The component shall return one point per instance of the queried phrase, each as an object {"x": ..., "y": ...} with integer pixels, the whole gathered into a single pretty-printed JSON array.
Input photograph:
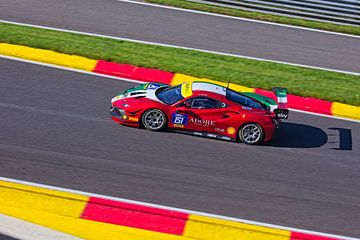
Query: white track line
[
  {"x": 180, "y": 47},
  {"x": 175, "y": 209},
  {"x": 137, "y": 81},
  {"x": 324, "y": 115},
  {"x": 237, "y": 18},
  {"x": 24, "y": 230}
]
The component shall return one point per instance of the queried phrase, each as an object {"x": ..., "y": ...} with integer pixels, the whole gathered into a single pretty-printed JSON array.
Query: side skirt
[{"x": 204, "y": 134}]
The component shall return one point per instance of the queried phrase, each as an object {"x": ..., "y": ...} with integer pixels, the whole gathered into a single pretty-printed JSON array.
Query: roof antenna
[{"x": 228, "y": 83}]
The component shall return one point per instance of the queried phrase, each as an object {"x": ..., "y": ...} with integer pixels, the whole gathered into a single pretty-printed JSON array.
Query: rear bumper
[{"x": 269, "y": 132}]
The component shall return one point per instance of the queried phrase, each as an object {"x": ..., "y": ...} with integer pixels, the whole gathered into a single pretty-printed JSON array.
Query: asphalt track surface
[
  {"x": 5, "y": 237},
  {"x": 55, "y": 129},
  {"x": 129, "y": 20}
]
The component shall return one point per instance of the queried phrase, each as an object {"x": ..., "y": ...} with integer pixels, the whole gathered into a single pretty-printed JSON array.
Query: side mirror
[{"x": 182, "y": 109}]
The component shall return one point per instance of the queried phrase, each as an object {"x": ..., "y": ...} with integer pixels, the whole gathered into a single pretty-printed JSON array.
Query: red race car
[{"x": 203, "y": 109}]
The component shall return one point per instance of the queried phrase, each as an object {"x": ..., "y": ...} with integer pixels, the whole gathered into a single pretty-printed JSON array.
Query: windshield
[
  {"x": 170, "y": 95},
  {"x": 242, "y": 99}
]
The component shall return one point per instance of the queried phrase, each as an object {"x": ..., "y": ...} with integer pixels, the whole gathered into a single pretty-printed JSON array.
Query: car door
[{"x": 199, "y": 113}]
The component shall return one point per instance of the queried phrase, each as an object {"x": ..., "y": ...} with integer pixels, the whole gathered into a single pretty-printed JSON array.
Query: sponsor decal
[
  {"x": 220, "y": 130},
  {"x": 282, "y": 113},
  {"x": 152, "y": 86},
  {"x": 186, "y": 90},
  {"x": 230, "y": 130},
  {"x": 133, "y": 119},
  {"x": 124, "y": 117},
  {"x": 246, "y": 108},
  {"x": 202, "y": 122},
  {"x": 179, "y": 119},
  {"x": 178, "y": 125}
]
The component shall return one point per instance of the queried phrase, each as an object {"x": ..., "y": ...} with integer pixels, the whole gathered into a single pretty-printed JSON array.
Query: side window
[{"x": 204, "y": 103}]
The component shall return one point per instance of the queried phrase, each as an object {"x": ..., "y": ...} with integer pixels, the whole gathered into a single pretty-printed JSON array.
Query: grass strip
[
  {"x": 251, "y": 73},
  {"x": 260, "y": 16}
]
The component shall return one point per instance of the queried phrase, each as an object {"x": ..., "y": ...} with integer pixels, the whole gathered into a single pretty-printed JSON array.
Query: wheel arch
[
  {"x": 141, "y": 125},
  {"x": 250, "y": 122}
]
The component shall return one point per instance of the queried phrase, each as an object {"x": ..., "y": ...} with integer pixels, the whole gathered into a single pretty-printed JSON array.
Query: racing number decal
[
  {"x": 179, "y": 120},
  {"x": 152, "y": 86}
]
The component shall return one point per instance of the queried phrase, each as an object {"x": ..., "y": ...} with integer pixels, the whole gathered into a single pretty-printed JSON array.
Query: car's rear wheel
[
  {"x": 154, "y": 120},
  {"x": 251, "y": 133}
]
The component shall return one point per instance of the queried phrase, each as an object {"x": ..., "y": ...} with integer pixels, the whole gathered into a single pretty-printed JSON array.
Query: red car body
[{"x": 222, "y": 122}]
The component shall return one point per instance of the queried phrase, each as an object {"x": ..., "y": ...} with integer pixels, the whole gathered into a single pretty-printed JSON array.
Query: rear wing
[{"x": 282, "y": 110}]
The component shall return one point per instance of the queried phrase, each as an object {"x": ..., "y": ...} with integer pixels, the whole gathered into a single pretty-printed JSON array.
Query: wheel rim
[
  {"x": 154, "y": 120},
  {"x": 251, "y": 133}
]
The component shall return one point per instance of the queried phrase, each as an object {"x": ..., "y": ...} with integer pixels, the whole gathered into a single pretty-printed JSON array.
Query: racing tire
[
  {"x": 154, "y": 120},
  {"x": 251, "y": 134}
]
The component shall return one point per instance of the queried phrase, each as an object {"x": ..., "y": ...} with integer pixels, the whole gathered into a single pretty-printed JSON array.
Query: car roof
[{"x": 188, "y": 88}]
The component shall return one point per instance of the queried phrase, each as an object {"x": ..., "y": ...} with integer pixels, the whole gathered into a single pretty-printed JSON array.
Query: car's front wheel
[
  {"x": 154, "y": 120},
  {"x": 251, "y": 133}
]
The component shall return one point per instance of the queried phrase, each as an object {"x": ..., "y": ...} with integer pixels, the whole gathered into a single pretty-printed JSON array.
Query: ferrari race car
[{"x": 203, "y": 109}]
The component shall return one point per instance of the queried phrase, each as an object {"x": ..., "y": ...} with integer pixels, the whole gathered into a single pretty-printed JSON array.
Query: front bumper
[
  {"x": 117, "y": 113},
  {"x": 121, "y": 116}
]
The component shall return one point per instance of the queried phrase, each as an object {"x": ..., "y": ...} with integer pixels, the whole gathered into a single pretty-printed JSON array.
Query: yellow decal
[
  {"x": 178, "y": 125},
  {"x": 124, "y": 117},
  {"x": 186, "y": 90},
  {"x": 182, "y": 78},
  {"x": 230, "y": 130}
]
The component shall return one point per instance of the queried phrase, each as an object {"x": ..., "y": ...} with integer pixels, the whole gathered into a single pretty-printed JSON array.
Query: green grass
[
  {"x": 261, "y": 16},
  {"x": 301, "y": 81}
]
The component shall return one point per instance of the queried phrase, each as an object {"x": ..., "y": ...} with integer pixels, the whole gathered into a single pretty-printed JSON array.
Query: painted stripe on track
[
  {"x": 180, "y": 47},
  {"x": 71, "y": 191},
  {"x": 137, "y": 81},
  {"x": 24, "y": 230},
  {"x": 237, "y": 18}
]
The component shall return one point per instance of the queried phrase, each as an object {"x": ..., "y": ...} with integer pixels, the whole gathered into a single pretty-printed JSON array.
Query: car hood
[{"x": 142, "y": 90}]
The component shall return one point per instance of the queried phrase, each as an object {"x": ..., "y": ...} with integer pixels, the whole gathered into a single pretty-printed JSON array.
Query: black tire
[
  {"x": 251, "y": 134},
  {"x": 154, "y": 120}
]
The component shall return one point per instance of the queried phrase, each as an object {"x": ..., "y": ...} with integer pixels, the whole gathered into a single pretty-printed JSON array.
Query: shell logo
[{"x": 230, "y": 130}]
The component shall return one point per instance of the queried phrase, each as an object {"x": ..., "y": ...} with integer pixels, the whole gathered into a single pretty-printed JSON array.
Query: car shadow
[{"x": 294, "y": 135}]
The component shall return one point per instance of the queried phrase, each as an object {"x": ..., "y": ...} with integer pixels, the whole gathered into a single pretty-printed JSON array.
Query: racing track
[
  {"x": 55, "y": 129},
  {"x": 129, "y": 20}
]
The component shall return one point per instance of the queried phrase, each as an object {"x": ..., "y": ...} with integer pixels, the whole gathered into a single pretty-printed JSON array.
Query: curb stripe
[
  {"x": 344, "y": 110},
  {"x": 114, "y": 69},
  {"x": 40, "y": 199},
  {"x": 133, "y": 72},
  {"x": 199, "y": 225},
  {"x": 309, "y": 104},
  {"x": 305, "y": 236},
  {"x": 48, "y": 56},
  {"x": 136, "y": 216}
]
